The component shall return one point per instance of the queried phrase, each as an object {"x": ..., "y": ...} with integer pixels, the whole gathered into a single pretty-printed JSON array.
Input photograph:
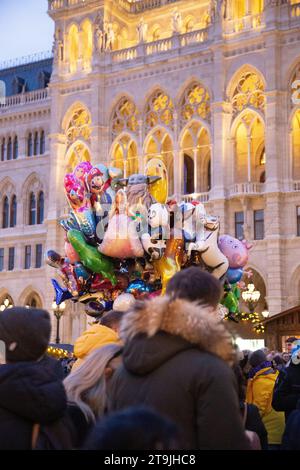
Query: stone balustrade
[
  {"x": 24, "y": 98},
  {"x": 247, "y": 188},
  {"x": 131, "y": 7},
  {"x": 246, "y": 23},
  {"x": 201, "y": 197},
  {"x": 59, "y": 4},
  {"x": 159, "y": 46}
]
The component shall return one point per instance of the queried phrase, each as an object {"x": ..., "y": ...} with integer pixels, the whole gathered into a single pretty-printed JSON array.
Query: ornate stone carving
[
  {"x": 142, "y": 29},
  {"x": 176, "y": 22},
  {"x": 98, "y": 28},
  {"x": 58, "y": 45}
]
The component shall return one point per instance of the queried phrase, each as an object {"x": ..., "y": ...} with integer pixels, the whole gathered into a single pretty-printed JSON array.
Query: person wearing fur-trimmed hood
[{"x": 176, "y": 359}]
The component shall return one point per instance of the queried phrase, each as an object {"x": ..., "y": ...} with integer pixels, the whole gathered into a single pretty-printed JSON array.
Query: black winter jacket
[
  {"x": 287, "y": 390},
  {"x": 29, "y": 393},
  {"x": 181, "y": 380}
]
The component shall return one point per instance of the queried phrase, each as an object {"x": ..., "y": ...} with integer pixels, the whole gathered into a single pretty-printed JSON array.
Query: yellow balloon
[
  {"x": 159, "y": 189},
  {"x": 170, "y": 263}
]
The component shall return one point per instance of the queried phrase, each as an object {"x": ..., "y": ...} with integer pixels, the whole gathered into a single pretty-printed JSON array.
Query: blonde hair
[{"x": 86, "y": 386}]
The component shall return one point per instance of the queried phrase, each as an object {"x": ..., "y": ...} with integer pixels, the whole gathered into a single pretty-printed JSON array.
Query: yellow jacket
[
  {"x": 95, "y": 337},
  {"x": 260, "y": 393}
]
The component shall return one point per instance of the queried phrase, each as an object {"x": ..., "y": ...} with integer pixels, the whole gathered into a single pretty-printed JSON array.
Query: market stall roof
[{"x": 280, "y": 315}]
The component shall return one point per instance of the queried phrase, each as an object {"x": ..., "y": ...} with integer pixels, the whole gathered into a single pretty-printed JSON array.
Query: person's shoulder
[{"x": 206, "y": 361}]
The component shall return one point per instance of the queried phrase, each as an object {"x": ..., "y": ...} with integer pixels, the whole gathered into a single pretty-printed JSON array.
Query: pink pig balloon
[
  {"x": 71, "y": 253},
  {"x": 236, "y": 251}
]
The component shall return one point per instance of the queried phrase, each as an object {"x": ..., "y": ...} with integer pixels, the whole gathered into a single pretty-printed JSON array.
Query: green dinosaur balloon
[
  {"x": 90, "y": 256},
  {"x": 231, "y": 299}
]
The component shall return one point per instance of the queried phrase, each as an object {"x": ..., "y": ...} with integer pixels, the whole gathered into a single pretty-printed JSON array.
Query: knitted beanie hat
[
  {"x": 257, "y": 357},
  {"x": 25, "y": 332}
]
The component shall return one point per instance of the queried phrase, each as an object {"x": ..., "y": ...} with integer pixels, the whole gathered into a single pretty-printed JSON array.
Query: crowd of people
[{"x": 165, "y": 375}]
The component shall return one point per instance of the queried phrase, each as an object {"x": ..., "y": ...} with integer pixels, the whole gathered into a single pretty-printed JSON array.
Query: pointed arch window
[
  {"x": 16, "y": 148},
  {"x": 36, "y": 144},
  {"x": 209, "y": 175},
  {"x": 32, "y": 209},
  {"x": 159, "y": 110},
  {"x": 125, "y": 117},
  {"x": 3, "y": 148},
  {"x": 188, "y": 182},
  {"x": 5, "y": 213},
  {"x": 249, "y": 91},
  {"x": 195, "y": 103},
  {"x": 13, "y": 211},
  {"x": 9, "y": 149},
  {"x": 42, "y": 143},
  {"x": 29, "y": 145},
  {"x": 40, "y": 208}
]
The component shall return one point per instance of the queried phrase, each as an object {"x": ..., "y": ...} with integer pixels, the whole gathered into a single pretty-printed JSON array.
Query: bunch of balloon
[{"x": 124, "y": 239}]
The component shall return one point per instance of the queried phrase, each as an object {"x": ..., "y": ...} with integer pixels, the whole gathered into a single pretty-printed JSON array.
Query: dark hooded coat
[
  {"x": 176, "y": 360},
  {"x": 30, "y": 393}
]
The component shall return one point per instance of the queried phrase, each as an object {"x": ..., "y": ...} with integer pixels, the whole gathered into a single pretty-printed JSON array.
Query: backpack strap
[
  {"x": 245, "y": 414},
  {"x": 35, "y": 435}
]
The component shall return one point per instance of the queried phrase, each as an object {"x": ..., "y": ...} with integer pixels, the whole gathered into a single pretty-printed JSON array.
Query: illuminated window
[
  {"x": 249, "y": 92},
  {"x": 195, "y": 103},
  {"x": 124, "y": 156},
  {"x": 159, "y": 111},
  {"x": 124, "y": 117},
  {"x": 296, "y": 145},
  {"x": 73, "y": 41},
  {"x": 79, "y": 126},
  {"x": 87, "y": 46}
]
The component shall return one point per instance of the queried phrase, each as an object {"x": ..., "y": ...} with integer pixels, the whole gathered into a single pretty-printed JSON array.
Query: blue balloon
[
  {"x": 61, "y": 294},
  {"x": 234, "y": 275},
  {"x": 80, "y": 271},
  {"x": 138, "y": 285}
]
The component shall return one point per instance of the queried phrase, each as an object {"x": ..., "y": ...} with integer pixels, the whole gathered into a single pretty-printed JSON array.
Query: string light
[{"x": 58, "y": 353}]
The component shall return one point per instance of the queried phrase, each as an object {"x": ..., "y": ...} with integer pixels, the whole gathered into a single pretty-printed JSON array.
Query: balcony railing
[
  {"x": 28, "y": 59},
  {"x": 139, "y": 6},
  {"x": 246, "y": 189},
  {"x": 59, "y": 4},
  {"x": 201, "y": 197},
  {"x": 160, "y": 46},
  {"x": 246, "y": 23},
  {"x": 24, "y": 98}
]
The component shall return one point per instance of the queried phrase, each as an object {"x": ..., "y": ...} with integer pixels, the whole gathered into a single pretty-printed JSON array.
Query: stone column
[
  {"x": 276, "y": 288},
  {"x": 140, "y": 146}
]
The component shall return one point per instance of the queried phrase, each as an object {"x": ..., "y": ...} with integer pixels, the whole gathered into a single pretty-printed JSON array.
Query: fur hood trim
[{"x": 199, "y": 325}]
